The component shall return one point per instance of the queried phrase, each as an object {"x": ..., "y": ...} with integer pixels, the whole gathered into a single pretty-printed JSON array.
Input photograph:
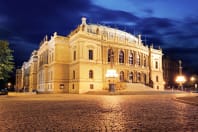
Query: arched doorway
[
  {"x": 131, "y": 77},
  {"x": 121, "y": 76}
]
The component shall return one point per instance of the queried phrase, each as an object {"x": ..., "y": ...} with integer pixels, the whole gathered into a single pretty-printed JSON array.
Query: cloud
[
  {"x": 28, "y": 21},
  {"x": 3, "y": 19},
  {"x": 148, "y": 11},
  {"x": 21, "y": 49},
  {"x": 187, "y": 55}
]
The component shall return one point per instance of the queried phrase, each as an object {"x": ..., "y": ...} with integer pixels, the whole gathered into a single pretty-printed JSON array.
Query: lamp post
[
  {"x": 111, "y": 73},
  {"x": 180, "y": 79},
  {"x": 193, "y": 80},
  {"x": 9, "y": 85}
]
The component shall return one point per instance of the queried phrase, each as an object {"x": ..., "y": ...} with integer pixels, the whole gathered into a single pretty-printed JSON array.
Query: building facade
[{"x": 77, "y": 63}]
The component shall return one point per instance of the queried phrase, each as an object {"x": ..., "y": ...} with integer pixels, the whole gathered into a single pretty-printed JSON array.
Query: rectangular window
[
  {"x": 90, "y": 54},
  {"x": 157, "y": 79},
  {"x": 156, "y": 65},
  {"x": 91, "y": 86}
]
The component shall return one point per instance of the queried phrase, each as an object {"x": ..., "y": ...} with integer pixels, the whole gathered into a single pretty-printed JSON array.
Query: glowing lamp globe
[
  {"x": 180, "y": 79},
  {"x": 111, "y": 73}
]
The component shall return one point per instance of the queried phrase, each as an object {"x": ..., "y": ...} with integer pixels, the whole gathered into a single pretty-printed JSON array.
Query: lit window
[
  {"x": 121, "y": 57},
  {"x": 110, "y": 55},
  {"x": 131, "y": 76},
  {"x": 91, "y": 74},
  {"x": 121, "y": 76},
  {"x": 131, "y": 58},
  {"x": 138, "y": 77},
  {"x": 138, "y": 59},
  {"x": 90, "y": 54}
]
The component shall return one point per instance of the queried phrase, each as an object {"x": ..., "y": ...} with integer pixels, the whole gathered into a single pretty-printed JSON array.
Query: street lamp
[
  {"x": 193, "y": 80},
  {"x": 180, "y": 79},
  {"x": 111, "y": 73},
  {"x": 9, "y": 85}
]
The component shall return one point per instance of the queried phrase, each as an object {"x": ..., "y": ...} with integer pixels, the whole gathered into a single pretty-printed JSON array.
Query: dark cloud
[
  {"x": 113, "y": 16},
  {"x": 189, "y": 56},
  {"x": 148, "y": 11},
  {"x": 29, "y": 21},
  {"x": 24, "y": 23}
]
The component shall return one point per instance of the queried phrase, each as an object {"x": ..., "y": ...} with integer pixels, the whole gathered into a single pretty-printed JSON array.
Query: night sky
[{"x": 170, "y": 24}]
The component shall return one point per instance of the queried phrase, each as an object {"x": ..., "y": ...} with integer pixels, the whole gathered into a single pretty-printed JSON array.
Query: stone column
[
  {"x": 105, "y": 54},
  {"x": 116, "y": 54},
  {"x": 135, "y": 57},
  {"x": 126, "y": 57}
]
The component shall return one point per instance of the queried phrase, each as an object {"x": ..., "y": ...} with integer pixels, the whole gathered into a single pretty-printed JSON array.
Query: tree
[{"x": 6, "y": 60}]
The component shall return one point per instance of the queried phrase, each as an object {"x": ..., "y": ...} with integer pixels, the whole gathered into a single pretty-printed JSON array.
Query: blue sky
[
  {"x": 175, "y": 9},
  {"x": 170, "y": 24}
]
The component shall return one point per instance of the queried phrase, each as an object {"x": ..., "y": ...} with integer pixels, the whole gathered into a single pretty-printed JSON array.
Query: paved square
[{"x": 89, "y": 113}]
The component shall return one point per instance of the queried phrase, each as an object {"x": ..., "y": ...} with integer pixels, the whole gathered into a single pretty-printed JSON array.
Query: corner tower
[{"x": 156, "y": 71}]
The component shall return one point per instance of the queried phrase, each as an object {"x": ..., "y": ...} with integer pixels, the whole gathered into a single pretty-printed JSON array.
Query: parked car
[{"x": 4, "y": 92}]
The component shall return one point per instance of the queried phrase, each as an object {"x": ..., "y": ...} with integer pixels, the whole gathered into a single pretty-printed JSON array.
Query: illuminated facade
[{"x": 78, "y": 62}]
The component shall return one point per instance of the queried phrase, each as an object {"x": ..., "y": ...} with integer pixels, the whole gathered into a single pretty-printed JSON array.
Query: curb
[{"x": 186, "y": 102}]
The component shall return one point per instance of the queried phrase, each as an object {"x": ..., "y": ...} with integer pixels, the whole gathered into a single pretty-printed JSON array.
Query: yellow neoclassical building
[{"x": 79, "y": 62}]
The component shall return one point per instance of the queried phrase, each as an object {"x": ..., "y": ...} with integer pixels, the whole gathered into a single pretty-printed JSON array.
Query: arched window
[
  {"x": 74, "y": 56},
  {"x": 156, "y": 65},
  {"x": 157, "y": 78},
  {"x": 121, "y": 57},
  {"x": 90, "y": 54},
  {"x": 131, "y": 76},
  {"x": 138, "y": 59},
  {"x": 138, "y": 77},
  {"x": 91, "y": 74},
  {"x": 110, "y": 55},
  {"x": 145, "y": 78},
  {"x": 131, "y": 58},
  {"x": 145, "y": 61},
  {"x": 121, "y": 76}
]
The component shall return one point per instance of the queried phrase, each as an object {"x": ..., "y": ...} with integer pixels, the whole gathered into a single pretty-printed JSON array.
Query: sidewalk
[
  {"x": 133, "y": 92},
  {"x": 193, "y": 99}
]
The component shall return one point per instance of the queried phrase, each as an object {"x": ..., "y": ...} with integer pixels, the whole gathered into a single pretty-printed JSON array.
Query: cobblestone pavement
[{"x": 88, "y": 113}]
